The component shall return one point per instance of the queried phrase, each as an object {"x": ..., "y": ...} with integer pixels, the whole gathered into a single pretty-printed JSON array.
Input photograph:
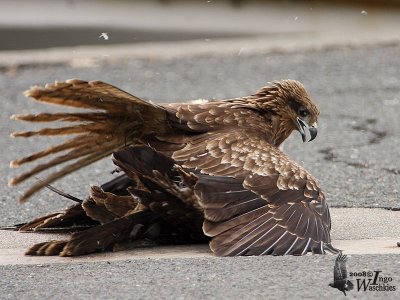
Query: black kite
[{"x": 191, "y": 171}]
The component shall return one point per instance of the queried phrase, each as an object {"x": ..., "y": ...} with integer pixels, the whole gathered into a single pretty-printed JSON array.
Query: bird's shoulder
[
  {"x": 250, "y": 152},
  {"x": 211, "y": 115}
]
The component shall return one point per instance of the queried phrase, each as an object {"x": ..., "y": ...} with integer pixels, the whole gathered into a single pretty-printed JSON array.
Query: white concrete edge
[{"x": 16, "y": 256}]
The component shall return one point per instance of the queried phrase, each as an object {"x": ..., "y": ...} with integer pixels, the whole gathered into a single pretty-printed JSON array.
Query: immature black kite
[{"x": 191, "y": 171}]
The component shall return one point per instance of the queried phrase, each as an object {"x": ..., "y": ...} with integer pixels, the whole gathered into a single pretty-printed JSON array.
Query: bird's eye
[{"x": 303, "y": 112}]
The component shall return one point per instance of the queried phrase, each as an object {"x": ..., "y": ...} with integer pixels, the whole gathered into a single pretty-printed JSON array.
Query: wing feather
[
  {"x": 256, "y": 199},
  {"x": 112, "y": 119}
]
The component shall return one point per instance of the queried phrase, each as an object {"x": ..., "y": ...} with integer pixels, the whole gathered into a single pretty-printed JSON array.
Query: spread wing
[
  {"x": 112, "y": 119},
  {"x": 340, "y": 271},
  {"x": 257, "y": 201}
]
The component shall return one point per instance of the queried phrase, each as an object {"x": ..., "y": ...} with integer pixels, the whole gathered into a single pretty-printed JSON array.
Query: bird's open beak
[{"x": 301, "y": 125}]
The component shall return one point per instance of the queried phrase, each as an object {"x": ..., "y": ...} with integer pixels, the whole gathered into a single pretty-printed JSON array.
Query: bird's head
[{"x": 289, "y": 100}]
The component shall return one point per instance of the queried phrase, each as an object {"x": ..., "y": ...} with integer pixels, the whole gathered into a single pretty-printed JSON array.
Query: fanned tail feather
[{"x": 116, "y": 119}]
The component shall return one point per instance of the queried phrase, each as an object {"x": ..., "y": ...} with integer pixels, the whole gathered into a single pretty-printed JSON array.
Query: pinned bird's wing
[
  {"x": 113, "y": 118},
  {"x": 257, "y": 201}
]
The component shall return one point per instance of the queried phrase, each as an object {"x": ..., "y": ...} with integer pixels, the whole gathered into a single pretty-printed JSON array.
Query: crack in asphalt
[
  {"x": 332, "y": 157},
  {"x": 378, "y": 136},
  {"x": 393, "y": 171}
]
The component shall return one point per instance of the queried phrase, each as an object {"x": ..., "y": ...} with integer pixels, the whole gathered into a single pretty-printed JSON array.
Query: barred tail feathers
[{"x": 113, "y": 119}]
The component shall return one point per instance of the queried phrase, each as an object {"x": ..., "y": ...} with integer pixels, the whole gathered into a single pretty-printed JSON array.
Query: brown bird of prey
[{"x": 193, "y": 171}]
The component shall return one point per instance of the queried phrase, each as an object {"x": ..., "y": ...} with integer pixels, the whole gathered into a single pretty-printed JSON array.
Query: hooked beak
[{"x": 301, "y": 125}]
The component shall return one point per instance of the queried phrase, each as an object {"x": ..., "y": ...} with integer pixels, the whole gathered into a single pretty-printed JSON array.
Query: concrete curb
[{"x": 378, "y": 229}]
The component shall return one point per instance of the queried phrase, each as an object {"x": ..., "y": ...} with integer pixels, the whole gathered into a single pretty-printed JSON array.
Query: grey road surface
[
  {"x": 355, "y": 157},
  {"x": 194, "y": 278}
]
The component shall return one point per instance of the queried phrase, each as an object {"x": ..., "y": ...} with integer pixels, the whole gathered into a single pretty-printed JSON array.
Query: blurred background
[{"x": 38, "y": 24}]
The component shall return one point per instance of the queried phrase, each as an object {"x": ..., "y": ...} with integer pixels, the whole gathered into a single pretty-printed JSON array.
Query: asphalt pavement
[
  {"x": 355, "y": 157},
  {"x": 193, "y": 278}
]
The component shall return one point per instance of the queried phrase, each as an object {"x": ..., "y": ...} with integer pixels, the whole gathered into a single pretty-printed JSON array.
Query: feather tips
[{"x": 115, "y": 120}]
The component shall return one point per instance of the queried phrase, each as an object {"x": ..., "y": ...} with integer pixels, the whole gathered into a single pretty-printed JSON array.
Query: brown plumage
[{"x": 191, "y": 170}]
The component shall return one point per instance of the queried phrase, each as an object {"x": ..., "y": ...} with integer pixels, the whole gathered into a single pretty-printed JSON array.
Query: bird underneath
[{"x": 192, "y": 172}]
